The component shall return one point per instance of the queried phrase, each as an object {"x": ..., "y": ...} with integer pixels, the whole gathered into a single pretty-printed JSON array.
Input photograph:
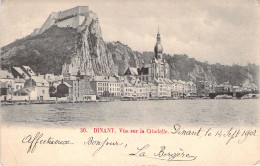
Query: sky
[{"x": 216, "y": 31}]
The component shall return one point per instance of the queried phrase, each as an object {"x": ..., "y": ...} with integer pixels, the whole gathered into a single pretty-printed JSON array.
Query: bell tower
[{"x": 158, "y": 49}]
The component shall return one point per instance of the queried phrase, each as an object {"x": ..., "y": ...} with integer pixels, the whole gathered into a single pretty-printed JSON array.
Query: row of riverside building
[
  {"x": 22, "y": 84},
  {"x": 150, "y": 81}
]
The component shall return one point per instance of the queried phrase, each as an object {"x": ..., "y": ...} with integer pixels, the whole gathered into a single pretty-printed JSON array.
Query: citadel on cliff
[
  {"x": 76, "y": 18},
  {"x": 90, "y": 56}
]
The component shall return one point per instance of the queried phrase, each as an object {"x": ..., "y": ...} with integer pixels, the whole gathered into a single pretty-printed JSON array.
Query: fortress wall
[
  {"x": 49, "y": 22},
  {"x": 35, "y": 32},
  {"x": 73, "y": 11},
  {"x": 81, "y": 19},
  {"x": 71, "y": 17},
  {"x": 71, "y": 22},
  {"x": 93, "y": 15},
  {"x": 83, "y": 9},
  {"x": 90, "y": 16}
]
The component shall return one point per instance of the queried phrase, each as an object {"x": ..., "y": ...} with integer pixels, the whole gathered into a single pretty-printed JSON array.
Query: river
[{"x": 134, "y": 113}]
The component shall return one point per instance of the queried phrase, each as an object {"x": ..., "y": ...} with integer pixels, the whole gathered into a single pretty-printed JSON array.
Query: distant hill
[
  {"x": 49, "y": 51},
  {"x": 185, "y": 68}
]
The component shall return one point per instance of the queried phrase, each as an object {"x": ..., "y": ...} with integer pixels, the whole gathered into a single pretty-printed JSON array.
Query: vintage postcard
[{"x": 129, "y": 82}]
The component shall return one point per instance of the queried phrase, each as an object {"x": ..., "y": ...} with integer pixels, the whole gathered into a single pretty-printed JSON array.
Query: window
[
  {"x": 42, "y": 84},
  {"x": 17, "y": 86},
  {"x": 43, "y": 91}
]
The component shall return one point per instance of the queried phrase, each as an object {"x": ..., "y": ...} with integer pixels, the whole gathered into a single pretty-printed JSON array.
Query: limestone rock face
[
  {"x": 199, "y": 73},
  {"x": 123, "y": 56},
  {"x": 91, "y": 55}
]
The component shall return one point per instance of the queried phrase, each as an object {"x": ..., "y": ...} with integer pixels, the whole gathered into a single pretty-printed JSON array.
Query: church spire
[{"x": 158, "y": 36}]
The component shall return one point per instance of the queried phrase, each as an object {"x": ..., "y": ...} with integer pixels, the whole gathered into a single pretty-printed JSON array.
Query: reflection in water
[{"x": 138, "y": 113}]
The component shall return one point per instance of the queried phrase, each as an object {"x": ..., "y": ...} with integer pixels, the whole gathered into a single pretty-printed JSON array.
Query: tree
[{"x": 53, "y": 91}]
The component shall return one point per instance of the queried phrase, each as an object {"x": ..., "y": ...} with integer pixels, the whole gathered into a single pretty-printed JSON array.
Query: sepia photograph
[{"x": 120, "y": 82}]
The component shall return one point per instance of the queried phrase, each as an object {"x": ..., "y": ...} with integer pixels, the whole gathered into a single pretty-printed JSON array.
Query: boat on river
[
  {"x": 250, "y": 96},
  {"x": 223, "y": 97}
]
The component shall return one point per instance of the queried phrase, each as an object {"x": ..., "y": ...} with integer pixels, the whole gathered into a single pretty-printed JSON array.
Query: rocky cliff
[
  {"x": 123, "y": 56},
  {"x": 91, "y": 55}
]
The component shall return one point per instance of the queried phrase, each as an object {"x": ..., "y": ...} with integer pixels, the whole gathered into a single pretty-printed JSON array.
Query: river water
[{"x": 134, "y": 113}]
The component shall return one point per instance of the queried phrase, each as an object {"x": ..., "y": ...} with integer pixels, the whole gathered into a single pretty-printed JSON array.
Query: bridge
[{"x": 234, "y": 94}]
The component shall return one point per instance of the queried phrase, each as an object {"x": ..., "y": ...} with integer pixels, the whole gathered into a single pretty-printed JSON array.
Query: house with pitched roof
[
  {"x": 128, "y": 88},
  {"x": 36, "y": 88},
  {"x": 7, "y": 83},
  {"x": 18, "y": 84},
  {"x": 28, "y": 70},
  {"x": 131, "y": 71},
  {"x": 103, "y": 85},
  {"x": 18, "y": 72}
]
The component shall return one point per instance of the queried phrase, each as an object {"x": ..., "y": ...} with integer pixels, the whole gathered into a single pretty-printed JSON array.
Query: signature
[
  {"x": 37, "y": 139},
  {"x": 163, "y": 154}
]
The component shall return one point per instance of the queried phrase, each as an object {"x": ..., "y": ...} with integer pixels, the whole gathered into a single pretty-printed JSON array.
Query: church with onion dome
[{"x": 157, "y": 68}]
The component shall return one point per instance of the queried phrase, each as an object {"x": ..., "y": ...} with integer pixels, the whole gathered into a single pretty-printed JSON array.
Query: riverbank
[{"x": 5, "y": 103}]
